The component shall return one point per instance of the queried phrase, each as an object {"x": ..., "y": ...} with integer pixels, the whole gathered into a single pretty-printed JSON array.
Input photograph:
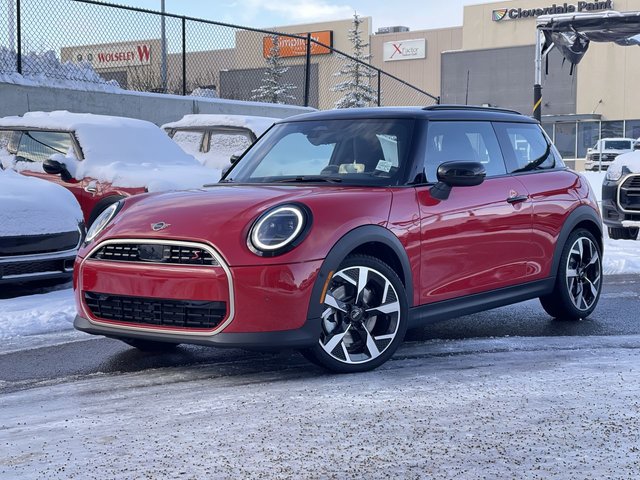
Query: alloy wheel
[
  {"x": 362, "y": 315},
  {"x": 584, "y": 273}
]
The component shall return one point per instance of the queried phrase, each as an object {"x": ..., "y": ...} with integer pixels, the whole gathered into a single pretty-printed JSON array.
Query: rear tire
[
  {"x": 365, "y": 317},
  {"x": 623, "y": 233},
  {"x": 579, "y": 279},
  {"x": 149, "y": 345}
]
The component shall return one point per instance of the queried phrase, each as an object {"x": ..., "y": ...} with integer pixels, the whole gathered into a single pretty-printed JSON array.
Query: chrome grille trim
[
  {"x": 631, "y": 179},
  {"x": 214, "y": 253}
]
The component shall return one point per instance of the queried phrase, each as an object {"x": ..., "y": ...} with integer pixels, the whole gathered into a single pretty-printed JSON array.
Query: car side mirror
[
  {"x": 54, "y": 167},
  {"x": 457, "y": 174},
  {"x": 234, "y": 159}
]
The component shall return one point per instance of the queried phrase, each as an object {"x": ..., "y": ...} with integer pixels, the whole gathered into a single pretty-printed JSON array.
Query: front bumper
[
  {"x": 264, "y": 306},
  {"x": 31, "y": 268},
  {"x": 614, "y": 214}
]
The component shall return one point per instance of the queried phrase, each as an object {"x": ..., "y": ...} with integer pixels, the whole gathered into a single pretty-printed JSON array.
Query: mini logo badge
[
  {"x": 159, "y": 226},
  {"x": 499, "y": 14}
]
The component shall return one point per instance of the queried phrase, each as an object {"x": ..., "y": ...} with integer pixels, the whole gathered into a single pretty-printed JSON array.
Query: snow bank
[
  {"x": 35, "y": 314},
  {"x": 258, "y": 125},
  {"x": 45, "y": 69},
  {"x": 123, "y": 151},
  {"x": 31, "y": 206}
]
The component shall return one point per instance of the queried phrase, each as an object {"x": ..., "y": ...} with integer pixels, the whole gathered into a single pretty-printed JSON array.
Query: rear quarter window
[{"x": 526, "y": 147}]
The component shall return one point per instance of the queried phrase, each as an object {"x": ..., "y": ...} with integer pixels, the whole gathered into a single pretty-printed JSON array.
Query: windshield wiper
[{"x": 309, "y": 179}]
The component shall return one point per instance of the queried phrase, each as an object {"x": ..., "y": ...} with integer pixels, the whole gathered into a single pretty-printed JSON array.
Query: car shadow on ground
[{"x": 33, "y": 288}]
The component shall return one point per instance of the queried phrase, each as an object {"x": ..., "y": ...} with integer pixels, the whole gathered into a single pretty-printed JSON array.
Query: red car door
[{"x": 478, "y": 239}]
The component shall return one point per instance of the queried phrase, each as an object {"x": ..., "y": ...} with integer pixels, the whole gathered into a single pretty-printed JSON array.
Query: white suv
[{"x": 610, "y": 148}]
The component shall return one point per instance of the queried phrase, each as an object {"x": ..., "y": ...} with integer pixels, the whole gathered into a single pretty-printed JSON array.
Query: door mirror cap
[
  {"x": 234, "y": 159},
  {"x": 461, "y": 174},
  {"x": 54, "y": 167}
]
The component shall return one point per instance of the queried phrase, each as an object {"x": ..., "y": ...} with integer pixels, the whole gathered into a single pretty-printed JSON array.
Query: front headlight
[
  {"x": 103, "y": 220},
  {"x": 279, "y": 229},
  {"x": 613, "y": 175}
]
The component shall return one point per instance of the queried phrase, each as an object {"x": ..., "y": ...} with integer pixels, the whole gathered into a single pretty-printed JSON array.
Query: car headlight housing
[
  {"x": 100, "y": 223},
  {"x": 613, "y": 175},
  {"x": 279, "y": 230}
]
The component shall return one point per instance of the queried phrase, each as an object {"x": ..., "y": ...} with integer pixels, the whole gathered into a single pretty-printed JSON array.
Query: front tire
[
  {"x": 579, "y": 279},
  {"x": 365, "y": 317},
  {"x": 623, "y": 233}
]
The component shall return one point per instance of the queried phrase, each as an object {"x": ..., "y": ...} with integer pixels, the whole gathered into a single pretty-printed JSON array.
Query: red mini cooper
[{"x": 338, "y": 230}]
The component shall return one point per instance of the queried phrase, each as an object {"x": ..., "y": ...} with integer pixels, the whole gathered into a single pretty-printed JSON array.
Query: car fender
[
  {"x": 347, "y": 244},
  {"x": 583, "y": 213}
]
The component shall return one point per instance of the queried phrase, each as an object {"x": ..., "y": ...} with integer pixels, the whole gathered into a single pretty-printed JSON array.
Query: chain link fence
[{"x": 100, "y": 46}]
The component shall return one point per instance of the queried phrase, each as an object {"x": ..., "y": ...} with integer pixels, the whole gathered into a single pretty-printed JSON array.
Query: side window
[
  {"x": 462, "y": 141},
  {"x": 527, "y": 146},
  {"x": 189, "y": 140},
  {"x": 37, "y": 146}
]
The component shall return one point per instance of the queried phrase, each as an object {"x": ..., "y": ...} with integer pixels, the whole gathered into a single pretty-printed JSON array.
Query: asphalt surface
[{"x": 617, "y": 314}]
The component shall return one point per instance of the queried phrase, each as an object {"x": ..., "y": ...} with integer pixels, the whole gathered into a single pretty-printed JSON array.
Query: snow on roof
[
  {"x": 258, "y": 125},
  {"x": 31, "y": 206},
  {"x": 124, "y": 151}
]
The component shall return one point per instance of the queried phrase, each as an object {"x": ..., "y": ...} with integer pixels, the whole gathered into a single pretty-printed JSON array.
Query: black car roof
[{"x": 435, "y": 112}]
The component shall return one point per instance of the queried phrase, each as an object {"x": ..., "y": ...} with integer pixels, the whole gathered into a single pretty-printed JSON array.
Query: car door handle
[{"x": 518, "y": 199}]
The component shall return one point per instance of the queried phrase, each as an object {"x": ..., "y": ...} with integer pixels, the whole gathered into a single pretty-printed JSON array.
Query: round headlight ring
[
  {"x": 613, "y": 175},
  {"x": 101, "y": 222},
  {"x": 303, "y": 219}
]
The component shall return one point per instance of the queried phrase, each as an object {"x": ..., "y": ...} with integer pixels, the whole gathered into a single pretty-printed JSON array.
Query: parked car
[
  {"x": 611, "y": 148},
  {"x": 41, "y": 229},
  {"x": 621, "y": 196},
  {"x": 214, "y": 139},
  {"x": 338, "y": 230},
  {"x": 100, "y": 159}
]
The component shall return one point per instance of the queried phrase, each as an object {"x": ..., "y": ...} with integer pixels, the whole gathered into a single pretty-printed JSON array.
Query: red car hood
[{"x": 222, "y": 215}]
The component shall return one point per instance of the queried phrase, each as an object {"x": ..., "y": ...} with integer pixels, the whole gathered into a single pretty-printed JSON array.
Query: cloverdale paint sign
[
  {"x": 404, "y": 50},
  {"x": 118, "y": 55},
  {"x": 555, "y": 9}
]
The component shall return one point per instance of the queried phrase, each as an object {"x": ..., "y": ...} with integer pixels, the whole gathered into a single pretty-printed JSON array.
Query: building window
[
  {"x": 588, "y": 135},
  {"x": 632, "y": 129},
  {"x": 613, "y": 129},
  {"x": 565, "y": 139}
]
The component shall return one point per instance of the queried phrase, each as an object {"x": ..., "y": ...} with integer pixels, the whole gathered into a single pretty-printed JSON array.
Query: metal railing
[{"x": 105, "y": 46}]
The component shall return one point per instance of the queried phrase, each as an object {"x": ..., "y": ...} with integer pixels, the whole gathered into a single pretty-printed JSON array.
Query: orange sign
[{"x": 297, "y": 47}]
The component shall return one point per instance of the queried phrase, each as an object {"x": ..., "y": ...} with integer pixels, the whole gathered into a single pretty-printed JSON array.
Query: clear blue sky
[{"x": 416, "y": 14}]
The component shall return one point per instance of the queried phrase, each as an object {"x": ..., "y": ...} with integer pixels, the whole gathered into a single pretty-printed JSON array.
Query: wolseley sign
[
  {"x": 297, "y": 47},
  {"x": 404, "y": 50},
  {"x": 115, "y": 56},
  {"x": 555, "y": 9}
]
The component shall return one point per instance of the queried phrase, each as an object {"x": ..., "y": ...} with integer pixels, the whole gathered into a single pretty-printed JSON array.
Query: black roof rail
[{"x": 471, "y": 107}]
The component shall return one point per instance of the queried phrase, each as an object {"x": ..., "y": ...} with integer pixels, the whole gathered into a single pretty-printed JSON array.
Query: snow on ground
[
  {"x": 35, "y": 314},
  {"x": 31, "y": 206},
  {"x": 465, "y": 411}
]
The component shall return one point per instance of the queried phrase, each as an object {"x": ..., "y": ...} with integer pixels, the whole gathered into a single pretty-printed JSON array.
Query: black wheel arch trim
[
  {"x": 358, "y": 237},
  {"x": 583, "y": 213}
]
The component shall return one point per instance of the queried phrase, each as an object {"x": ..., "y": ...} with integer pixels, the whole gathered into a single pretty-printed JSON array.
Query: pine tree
[
  {"x": 272, "y": 89},
  {"x": 359, "y": 92}
]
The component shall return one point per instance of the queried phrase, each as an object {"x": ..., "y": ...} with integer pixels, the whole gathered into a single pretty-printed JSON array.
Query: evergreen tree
[
  {"x": 272, "y": 89},
  {"x": 359, "y": 92}
]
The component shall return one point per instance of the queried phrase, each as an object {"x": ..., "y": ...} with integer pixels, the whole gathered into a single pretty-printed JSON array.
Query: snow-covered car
[
  {"x": 213, "y": 139},
  {"x": 41, "y": 229},
  {"x": 610, "y": 149},
  {"x": 100, "y": 159},
  {"x": 621, "y": 196}
]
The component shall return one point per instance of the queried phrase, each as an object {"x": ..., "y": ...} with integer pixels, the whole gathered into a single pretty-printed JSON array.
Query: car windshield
[
  {"x": 362, "y": 152},
  {"x": 617, "y": 145}
]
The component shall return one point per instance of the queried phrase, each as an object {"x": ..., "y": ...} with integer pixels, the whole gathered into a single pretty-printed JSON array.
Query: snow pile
[
  {"x": 31, "y": 206},
  {"x": 122, "y": 151},
  {"x": 35, "y": 314},
  {"x": 45, "y": 69},
  {"x": 258, "y": 125}
]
